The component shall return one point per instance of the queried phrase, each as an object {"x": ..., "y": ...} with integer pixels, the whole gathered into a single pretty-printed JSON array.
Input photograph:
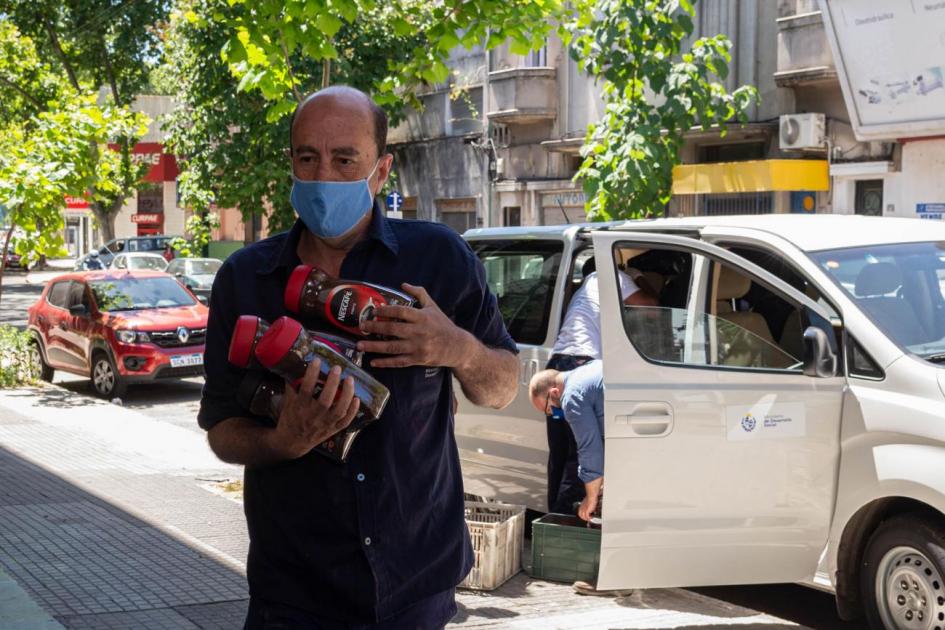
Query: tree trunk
[
  {"x": 105, "y": 220},
  {"x": 3, "y": 261}
]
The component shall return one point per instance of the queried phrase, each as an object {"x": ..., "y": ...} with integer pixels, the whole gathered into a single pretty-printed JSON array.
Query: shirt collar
[{"x": 379, "y": 230}]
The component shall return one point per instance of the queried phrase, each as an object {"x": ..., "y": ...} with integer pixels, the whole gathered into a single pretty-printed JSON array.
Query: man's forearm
[
  {"x": 243, "y": 441},
  {"x": 488, "y": 376}
]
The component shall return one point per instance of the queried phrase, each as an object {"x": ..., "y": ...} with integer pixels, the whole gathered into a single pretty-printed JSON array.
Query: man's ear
[{"x": 384, "y": 164}]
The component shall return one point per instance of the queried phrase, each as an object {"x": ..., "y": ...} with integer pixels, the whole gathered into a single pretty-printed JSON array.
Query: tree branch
[
  {"x": 288, "y": 66},
  {"x": 61, "y": 54},
  {"x": 109, "y": 72},
  {"x": 326, "y": 73},
  {"x": 27, "y": 95}
]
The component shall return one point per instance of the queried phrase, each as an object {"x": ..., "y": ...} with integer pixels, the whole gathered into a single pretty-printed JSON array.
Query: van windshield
[{"x": 900, "y": 286}]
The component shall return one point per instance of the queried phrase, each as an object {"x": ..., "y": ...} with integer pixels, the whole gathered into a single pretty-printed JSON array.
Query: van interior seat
[
  {"x": 874, "y": 285},
  {"x": 733, "y": 286}
]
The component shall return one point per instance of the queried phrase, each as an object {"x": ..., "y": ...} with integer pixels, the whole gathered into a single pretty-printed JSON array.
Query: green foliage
[
  {"x": 242, "y": 66},
  {"x": 52, "y": 148},
  {"x": 65, "y": 51},
  {"x": 655, "y": 89},
  {"x": 199, "y": 227},
  {"x": 16, "y": 363}
]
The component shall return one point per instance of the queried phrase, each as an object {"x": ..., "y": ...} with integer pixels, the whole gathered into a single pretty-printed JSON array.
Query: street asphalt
[{"x": 109, "y": 517}]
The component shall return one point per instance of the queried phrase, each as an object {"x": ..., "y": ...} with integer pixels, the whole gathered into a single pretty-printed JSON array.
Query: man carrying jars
[{"x": 378, "y": 541}]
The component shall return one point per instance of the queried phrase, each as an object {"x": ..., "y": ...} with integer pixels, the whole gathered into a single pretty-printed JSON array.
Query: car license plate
[{"x": 183, "y": 360}]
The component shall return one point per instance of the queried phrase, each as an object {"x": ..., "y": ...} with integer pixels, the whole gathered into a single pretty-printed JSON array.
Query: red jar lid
[
  {"x": 241, "y": 343},
  {"x": 278, "y": 340},
  {"x": 293, "y": 290}
]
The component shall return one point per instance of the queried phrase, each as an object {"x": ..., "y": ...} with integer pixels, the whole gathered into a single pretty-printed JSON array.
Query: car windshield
[
  {"x": 900, "y": 286},
  {"x": 129, "y": 294},
  {"x": 203, "y": 267},
  {"x": 155, "y": 263}
]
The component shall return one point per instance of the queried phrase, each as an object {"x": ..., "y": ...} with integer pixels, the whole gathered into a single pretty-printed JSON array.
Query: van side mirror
[
  {"x": 820, "y": 361},
  {"x": 78, "y": 310}
]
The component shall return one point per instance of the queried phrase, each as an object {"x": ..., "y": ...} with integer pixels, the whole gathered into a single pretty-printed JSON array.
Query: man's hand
[
  {"x": 422, "y": 336},
  {"x": 591, "y": 498},
  {"x": 307, "y": 421}
]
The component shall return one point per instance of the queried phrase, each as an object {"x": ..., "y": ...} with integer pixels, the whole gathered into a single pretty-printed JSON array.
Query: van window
[
  {"x": 522, "y": 276},
  {"x": 861, "y": 364},
  {"x": 712, "y": 323}
]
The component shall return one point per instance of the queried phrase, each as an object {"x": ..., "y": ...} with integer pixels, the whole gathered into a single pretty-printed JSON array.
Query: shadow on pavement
[
  {"x": 91, "y": 564},
  {"x": 58, "y": 398},
  {"x": 792, "y": 602}
]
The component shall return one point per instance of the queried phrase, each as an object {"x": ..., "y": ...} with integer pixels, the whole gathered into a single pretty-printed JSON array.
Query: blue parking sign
[{"x": 395, "y": 201}]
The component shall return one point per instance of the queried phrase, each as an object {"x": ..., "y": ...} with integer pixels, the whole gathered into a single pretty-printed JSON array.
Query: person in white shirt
[{"x": 579, "y": 341}]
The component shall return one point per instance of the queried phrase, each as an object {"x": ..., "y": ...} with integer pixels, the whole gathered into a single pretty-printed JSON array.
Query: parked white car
[
  {"x": 136, "y": 261},
  {"x": 780, "y": 417}
]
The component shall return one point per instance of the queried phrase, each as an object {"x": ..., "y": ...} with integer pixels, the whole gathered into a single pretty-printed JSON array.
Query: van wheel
[
  {"x": 39, "y": 363},
  {"x": 901, "y": 579},
  {"x": 106, "y": 381}
]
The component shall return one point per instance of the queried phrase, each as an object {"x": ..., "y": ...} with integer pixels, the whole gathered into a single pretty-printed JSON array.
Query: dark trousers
[
  {"x": 432, "y": 613},
  {"x": 564, "y": 487}
]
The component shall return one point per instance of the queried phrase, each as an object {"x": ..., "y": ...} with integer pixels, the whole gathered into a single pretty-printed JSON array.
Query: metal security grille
[{"x": 738, "y": 203}]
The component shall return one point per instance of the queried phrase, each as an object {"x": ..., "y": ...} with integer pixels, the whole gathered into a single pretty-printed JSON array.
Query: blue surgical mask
[{"x": 332, "y": 209}]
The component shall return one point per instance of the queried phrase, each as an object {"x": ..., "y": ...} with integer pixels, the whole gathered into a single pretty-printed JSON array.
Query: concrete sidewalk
[{"x": 110, "y": 519}]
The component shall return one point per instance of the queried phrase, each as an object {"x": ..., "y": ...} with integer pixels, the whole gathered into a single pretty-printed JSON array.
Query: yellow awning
[{"x": 751, "y": 176}]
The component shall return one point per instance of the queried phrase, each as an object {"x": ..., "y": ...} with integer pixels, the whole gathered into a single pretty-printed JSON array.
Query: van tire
[
  {"x": 902, "y": 579},
  {"x": 107, "y": 383}
]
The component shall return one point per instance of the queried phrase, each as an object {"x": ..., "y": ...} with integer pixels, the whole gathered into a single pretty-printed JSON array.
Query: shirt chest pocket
[{"x": 417, "y": 392}]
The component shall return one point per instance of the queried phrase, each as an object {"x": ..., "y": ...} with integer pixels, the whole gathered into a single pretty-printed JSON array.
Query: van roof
[{"x": 808, "y": 232}]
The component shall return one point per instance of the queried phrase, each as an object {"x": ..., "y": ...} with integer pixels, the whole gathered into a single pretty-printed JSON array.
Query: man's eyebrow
[
  {"x": 305, "y": 148},
  {"x": 345, "y": 151}
]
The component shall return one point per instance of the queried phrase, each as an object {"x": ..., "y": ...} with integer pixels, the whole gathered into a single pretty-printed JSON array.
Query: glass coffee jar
[{"x": 343, "y": 303}]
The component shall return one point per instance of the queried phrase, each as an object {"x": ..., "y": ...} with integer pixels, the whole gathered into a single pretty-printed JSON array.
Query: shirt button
[
  {"x": 360, "y": 477},
  {"x": 367, "y": 541}
]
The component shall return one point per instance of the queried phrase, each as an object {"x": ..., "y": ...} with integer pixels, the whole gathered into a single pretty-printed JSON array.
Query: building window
[
  {"x": 869, "y": 197},
  {"x": 150, "y": 199},
  {"x": 459, "y": 214},
  {"x": 512, "y": 215},
  {"x": 537, "y": 58},
  {"x": 732, "y": 152},
  {"x": 738, "y": 203}
]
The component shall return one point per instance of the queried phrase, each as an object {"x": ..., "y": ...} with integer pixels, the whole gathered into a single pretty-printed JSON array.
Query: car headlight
[{"x": 132, "y": 336}]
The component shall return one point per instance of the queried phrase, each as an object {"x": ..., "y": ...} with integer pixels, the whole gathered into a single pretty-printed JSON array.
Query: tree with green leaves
[
  {"x": 242, "y": 67},
  {"x": 53, "y": 143},
  {"x": 656, "y": 87},
  {"x": 91, "y": 45}
]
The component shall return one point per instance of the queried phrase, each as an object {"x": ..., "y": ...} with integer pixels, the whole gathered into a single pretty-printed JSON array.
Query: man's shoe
[{"x": 586, "y": 588}]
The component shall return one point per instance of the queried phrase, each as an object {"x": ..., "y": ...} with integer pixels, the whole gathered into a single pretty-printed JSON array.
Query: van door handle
[{"x": 648, "y": 422}]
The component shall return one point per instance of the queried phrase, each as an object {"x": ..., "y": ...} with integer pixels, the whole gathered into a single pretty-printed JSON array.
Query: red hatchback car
[{"x": 118, "y": 328}]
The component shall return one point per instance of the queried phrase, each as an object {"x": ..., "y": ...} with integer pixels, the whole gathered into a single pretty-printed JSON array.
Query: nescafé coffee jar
[
  {"x": 287, "y": 350},
  {"x": 343, "y": 303},
  {"x": 263, "y": 393}
]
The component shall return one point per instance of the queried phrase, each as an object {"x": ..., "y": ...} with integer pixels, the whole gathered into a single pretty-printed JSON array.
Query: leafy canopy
[{"x": 656, "y": 87}]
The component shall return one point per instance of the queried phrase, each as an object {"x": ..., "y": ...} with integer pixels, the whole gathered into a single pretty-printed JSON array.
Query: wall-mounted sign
[
  {"x": 897, "y": 88},
  {"x": 76, "y": 203},
  {"x": 933, "y": 211},
  {"x": 150, "y": 217}
]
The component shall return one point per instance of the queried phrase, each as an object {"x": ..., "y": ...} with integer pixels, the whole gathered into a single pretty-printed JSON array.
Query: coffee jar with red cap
[
  {"x": 263, "y": 394},
  {"x": 249, "y": 329},
  {"x": 246, "y": 334},
  {"x": 344, "y": 303},
  {"x": 287, "y": 349}
]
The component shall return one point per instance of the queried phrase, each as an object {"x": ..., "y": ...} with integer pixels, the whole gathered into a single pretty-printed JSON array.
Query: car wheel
[
  {"x": 39, "y": 363},
  {"x": 106, "y": 381},
  {"x": 902, "y": 579}
]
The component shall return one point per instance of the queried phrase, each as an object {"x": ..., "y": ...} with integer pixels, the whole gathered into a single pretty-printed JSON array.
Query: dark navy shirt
[{"x": 365, "y": 540}]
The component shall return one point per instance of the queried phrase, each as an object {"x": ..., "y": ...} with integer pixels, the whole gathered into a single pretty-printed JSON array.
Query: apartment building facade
[{"x": 505, "y": 152}]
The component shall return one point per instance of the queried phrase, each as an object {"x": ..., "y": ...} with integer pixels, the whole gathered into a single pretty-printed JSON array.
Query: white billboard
[{"x": 890, "y": 57}]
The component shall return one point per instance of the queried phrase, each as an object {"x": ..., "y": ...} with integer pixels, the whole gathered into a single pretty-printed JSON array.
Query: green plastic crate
[{"x": 564, "y": 549}]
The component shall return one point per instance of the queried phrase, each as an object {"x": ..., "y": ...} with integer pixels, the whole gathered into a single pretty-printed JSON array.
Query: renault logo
[{"x": 183, "y": 334}]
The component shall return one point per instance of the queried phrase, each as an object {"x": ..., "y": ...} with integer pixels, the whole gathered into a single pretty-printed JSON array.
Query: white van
[{"x": 780, "y": 417}]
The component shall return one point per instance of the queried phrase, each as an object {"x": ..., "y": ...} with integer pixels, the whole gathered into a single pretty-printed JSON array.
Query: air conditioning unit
[{"x": 803, "y": 131}]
